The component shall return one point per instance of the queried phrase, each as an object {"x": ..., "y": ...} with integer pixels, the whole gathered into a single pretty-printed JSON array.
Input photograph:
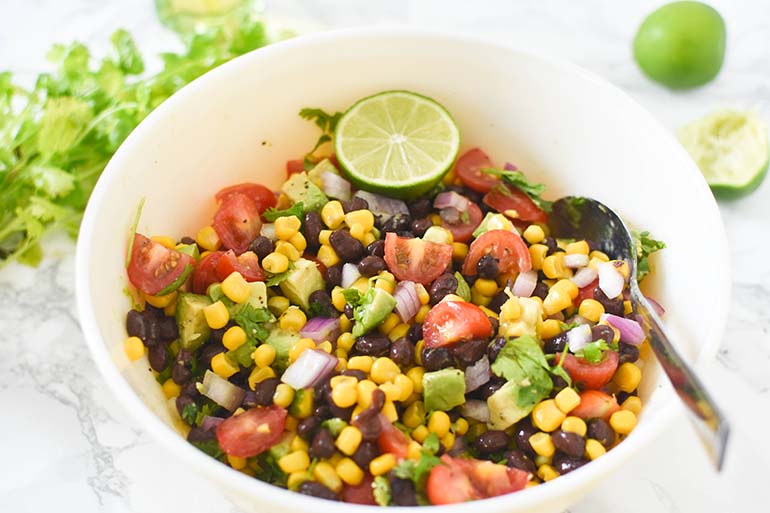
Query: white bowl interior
[{"x": 563, "y": 126}]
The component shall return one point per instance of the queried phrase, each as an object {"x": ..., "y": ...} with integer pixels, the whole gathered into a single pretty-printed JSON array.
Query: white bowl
[{"x": 563, "y": 125}]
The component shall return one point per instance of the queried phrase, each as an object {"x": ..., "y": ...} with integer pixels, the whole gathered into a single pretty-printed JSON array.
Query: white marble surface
[{"x": 68, "y": 446}]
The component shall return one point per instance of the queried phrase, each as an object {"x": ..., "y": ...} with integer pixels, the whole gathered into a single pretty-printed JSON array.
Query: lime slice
[
  {"x": 681, "y": 44},
  {"x": 731, "y": 150},
  {"x": 396, "y": 143}
]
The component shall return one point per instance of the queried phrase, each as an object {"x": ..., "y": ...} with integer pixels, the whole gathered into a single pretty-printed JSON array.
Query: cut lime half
[
  {"x": 397, "y": 143},
  {"x": 731, "y": 150}
]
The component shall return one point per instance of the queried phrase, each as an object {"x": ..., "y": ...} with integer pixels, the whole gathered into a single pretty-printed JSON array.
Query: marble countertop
[{"x": 69, "y": 446}]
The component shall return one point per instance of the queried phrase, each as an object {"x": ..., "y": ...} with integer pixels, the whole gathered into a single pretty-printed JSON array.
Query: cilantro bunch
[{"x": 57, "y": 136}]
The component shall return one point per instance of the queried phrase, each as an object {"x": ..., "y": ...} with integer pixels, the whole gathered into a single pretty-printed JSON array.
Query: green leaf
[
  {"x": 593, "y": 352},
  {"x": 431, "y": 444},
  {"x": 271, "y": 214},
  {"x": 251, "y": 319},
  {"x": 463, "y": 289},
  {"x": 352, "y": 297},
  {"x": 559, "y": 369},
  {"x": 326, "y": 122},
  {"x": 417, "y": 471},
  {"x": 268, "y": 470},
  {"x": 128, "y": 57},
  {"x": 64, "y": 121},
  {"x": 381, "y": 491},
  {"x": 50, "y": 180},
  {"x": 522, "y": 361},
  {"x": 645, "y": 246},
  {"x": 211, "y": 447},
  {"x": 275, "y": 279},
  {"x": 518, "y": 180}
]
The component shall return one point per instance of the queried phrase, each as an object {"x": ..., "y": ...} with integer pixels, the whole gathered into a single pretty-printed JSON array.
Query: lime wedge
[
  {"x": 731, "y": 150},
  {"x": 397, "y": 143}
]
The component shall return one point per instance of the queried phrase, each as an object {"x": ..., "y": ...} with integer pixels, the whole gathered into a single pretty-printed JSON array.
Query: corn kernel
[
  {"x": 485, "y": 287},
  {"x": 438, "y": 235},
  {"x": 439, "y": 423},
  {"x": 385, "y": 282},
  {"x": 461, "y": 426},
  {"x": 208, "y": 239},
  {"x": 233, "y": 338},
  {"x": 382, "y": 464},
  {"x": 295, "y": 479},
  {"x": 291, "y": 423},
  {"x": 478, "y": 298},
  {"x": 574, "y": 425},
  {"x": 622, "y": 267},
  {"x": 287, "y": 226},
  {"x": 390, "y": 412},
  {"x": 283, "y": 395},
  {"x": 134, "y": 348},
  {"x": 216, "y": 315},
  {"x": 346, "y": 341},
  {"x": 591, "y": 309},
  {"x": 236, "y": 462},
  {"x": 633, "y": 404},
  {"x": 422, "y": 313},
  {"x": 488, "y": 312},
  {"x": 556, "y": 301},
  {"x": 533, "y": 234},
  {"x": 161, "y": 301},
  {"x": 327, "y": 476},
  {"x": 362, "y": 217},
  {"x": 288, "y": 250},
  {"x": 415, "y": 374},
  {"x": 404, "y": 386},
  {"x": 171, "y": 389},
  {"x": 448, "y": 440},
  {"x": 298, "y": 241},
  {"x": 324, "y": 237},
  {"x": 164, "y": 240},
  {"x": 550, "y": 328},
  {"x": 627, "y": 377},
  {"x": 222, "y": 366},
  {"x": 390, "y": 322},
  {"x": 420, "y": 433},
  {"x": 260, "y": 374},
  {"x": 325, "y": 346},
  {"x": 332, "y": 214},
  {"x": 577, "y": 248},
  {"x": 334, "y": 459},
  {"x": 627, "y": 307},
  {"x": 327, "y": 256},
  {"x": 391, "y": 391},
  {"x": 348, "y": 440},
  {"x": 554, "y": 268},
  {"x": 547, "y": 472},
  {"x": 293, "y": 319},
  {"x": 349, "y": 472},
  {"x": 546, "y": 416},
  {"x": 345, "y": 396},
  {"x": 294, "y": 462},
  {"x": 384, "y": 369},
  {"x": 499, "y": 222},
  {"x": 365, "y": 388},
  {"x": 537, "y": 253},
  {"x": 299, "y": 347},
  {"x": 567, "y": 399},
  {"x": 275, "y": 263},
  {"x": 414, "y": 451},
  {"x": 398, "y": 332},
  {"x": 278, "y": 305},
  {"x": 170, "y": 310},
  {"x": 423, "y": 294},
  {"x": 298, "y": 444},
  {"x": 414, "y": 415},
  {"x": 623, "y": 421},
  {"x": 594, "y": 449},
  {"x": 599, "y": 255},
  {"x": 542, "y": 444},
  {"x": 264, "y": 355}
]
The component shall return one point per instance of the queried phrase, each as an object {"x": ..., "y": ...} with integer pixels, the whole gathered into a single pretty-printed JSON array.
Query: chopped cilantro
[
  {"x": 518, "y": 180},
  {"x": 645, "y": 246},
  {"x": 352, "y": 297},
  {"x": 431, "y": 444},
  {"x": 189, "y": 413},
  {"x": 593, "y": 352},
  {"x": 269, "y": 471},
  {"x": 417, "y": 471},
  {"x": 271, "y": 214},
  {"x": 210, "y": 447},
  {"x": 522, "y": 361},
  {"x": 251, "y": 319},
  {"x": 327, "y": 123},
  {"x": 559, "y": 369},
  {"x": 381, "y": 491},
  {"x": 463, "y": 289},
  {"x": 275, "y": 279}
]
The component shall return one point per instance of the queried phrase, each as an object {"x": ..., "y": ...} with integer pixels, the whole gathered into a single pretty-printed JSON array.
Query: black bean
[
  {"x": 322, "y": 412},
  {"x": 136, "y": 324},
  {"x": 497, "y": 301},
  {"x": 167, "y": 329},
  {"x": 262, "y": 246},
  {"x": 551, "y": 243},
  {"x": 358, "y": 374},
  {"x": 312, "y": 229},
  {"x": 555, "y": 344},
  {"x": 494, "y": 322},
  {"x": 378, "y": 399},
  {"x": 306, "y": 428},
  {"x": 415, "y": 332},
  {"x": 493, "y": 350},
  {"x": 365, "y": 453},
  {"x": 602, "y": 332},
  {"x": 567, "y": 465},
  {"x": 152, "y": 330},
  {"x": 437, "y": 358},
  {"x": 355, "y": 203},
  {"x": 339, "y": 412},
  {"x": 601, "y": 431},
  {"x": 571, "y": 444},
  {"x": 159, "y": 357},
  {"x": 348, "y": 311},
  {"x": 321, "y": 304},
  {"x": 621, "y": 396},
  {"x": 420, "y": 208},
  {"x": 209, "y": 351},
  {"x": 611, "y": 306},
  {"x": 541, "y": 290},
  {"x": 372, "y": 344},
  {"x": 180, "y": 374},
  {"x": 627, "y": 353},
  {"x": 491, "y": 441},
  {"x": 182, "y": 402},
  {"x": 469, "y": 352},
  {"x": 558, "y": 384},
  {"x": 347, "y": 248},
  {"x": 190, "y": 389},
  {"x": 216, "y": 335},
  {"x": 441, "y": 287},
  {"x": 371, "y": 265},
  {"x": 402, "y": 491},
  {"x": 264, "y": 391},
  {"x": 322, "y": 391},
  {"x": 316, "y": 489},
  {"x": 322, "y": 445},
  {"x": 198, "y": 434},
  {"x": 402, "y": 352},
  {"x": 491, "y": 386},
  {"x": 376, "y": 248},
  {"x": 517, "y": 459},
  {"x": 420, "y": 226},
  {"x": 522, "y": 431},
  {"x": 459, "y": 447},
  {"x": 333, "y": 276},
  {"x": 187, "y": 240},
  {"x": 398, "y": 223},
  {"x": 368, "y": 423},
  {"x": 487, "y": 267},
  {"x": 153, "y": 311}
]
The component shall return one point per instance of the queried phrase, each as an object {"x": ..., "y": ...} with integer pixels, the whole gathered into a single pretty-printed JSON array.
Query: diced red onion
[
  {"x": 321, "y": 329},
  {"x": 451, "y": 199},
  {"x": 611, "y": 282},
  {"x": 268, "y": 230},
  {"x": 382, "y": 206},
  {"x": 510, "y": 167},
  {"x": 656, "y": 306},
  {"x": 578, "y": 337},
  {"x": 477, "y": 374},
  {"x": 576, "y": 260},
  {"x": 584, "y": 277},
  {"x": 221, "y": 391},
  {"x": 450, "y": 215},
  {"x": 525, "y": 284},
  {"x": 631, "y": 332},
  {"x": 208, "y": 423},
  {"x": 349, "y": 275},
  {"x": 475, "y": 409},
  {"x": 407, "y": 300},
  {"x": 577, "y": 319},
  {"x": 312, "y": 366},
  {"x": 335, "y": 186}
]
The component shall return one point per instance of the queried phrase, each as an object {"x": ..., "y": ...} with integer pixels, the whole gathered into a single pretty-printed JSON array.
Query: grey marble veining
[{"x": 67, "y": 444}]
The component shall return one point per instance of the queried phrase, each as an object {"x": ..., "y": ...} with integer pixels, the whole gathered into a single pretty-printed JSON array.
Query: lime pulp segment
[{"x": 396, "y": 140}]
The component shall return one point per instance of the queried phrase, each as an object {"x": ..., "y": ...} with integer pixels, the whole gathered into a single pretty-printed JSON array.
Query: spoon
[{"x": 577, "y": 217}]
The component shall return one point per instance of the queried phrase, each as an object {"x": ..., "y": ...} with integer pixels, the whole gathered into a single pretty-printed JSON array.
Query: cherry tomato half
[
  {"x": 205, "y": 272},
  {"x": 246, "y": 263},
  {"x": 261, "y": 195},
  {"x": 450, "y": 322},
  {"x": 154, "y": 268},
  {"x": 595, "y": 405},
  {"x": 504, "y": 197},
  {"x": 458, "y": 480},
  {"x": 592, "y": 375},
  {"x": 237, "y": 222},
  {"x": 468, "y": 169},
  {"x": 251, "y": 432},
  {"x": 506, "y": 246},
  {"x": 416, "y": 260},
  {"x": 462, "y": 231}
]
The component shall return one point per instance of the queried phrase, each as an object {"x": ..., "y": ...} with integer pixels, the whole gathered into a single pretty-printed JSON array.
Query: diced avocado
[
  {"x": 335, "y": 425},
  {"x": 375, "y": 306},
  {"x": 282, "y": 341},
  {"x": 302, "y": 405},
  {"x": 499, "y": 221},
  {"x": 193, "y": 328},
  {"x": 299, "y": 188},
  {"x": 258, "y": 296},
  {"x": 189, "y": 249},
  {"x": 283, "y": 447},
  {"x": 215, "y": 292},
  {"x": 301, "y": 282},
  {"x": 504, "y": 409},
  {"x": 443, "y": 389},
  {"x": 315, "y": 174}
]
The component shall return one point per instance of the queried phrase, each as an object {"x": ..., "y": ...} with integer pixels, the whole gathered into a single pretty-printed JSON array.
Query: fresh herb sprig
[
  {"x": 519, "y": 181},
  {"x": 645, "y": 246},
  {"x": 327, "y": 123}
]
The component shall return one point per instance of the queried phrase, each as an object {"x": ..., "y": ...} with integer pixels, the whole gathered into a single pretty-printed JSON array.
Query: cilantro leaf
[
  {"x": 268, "y": 470},
  {"x": 519, "y": 181},
  {"x": 463, "y": 289},
  {"x": 326, "y": 122},
  {"x": 431, "y": 444},
  {"x": 211, "y": 447},
  {"x": 251, "y": 319},
  {"x": 381, "y": 491},
  {"x": 271, "y": 214},
  {"x": 417, "y": 471},
  {"x": 593, "y": 352},
  {"x": 560, "y": 371},
  {"x": 277, "y": 278},
  {"x": 522, "y": 361},
  {"x": 189, "y": 413},
  {"x": 352, "y": 297},
  {"x": 645, "y": 246}
]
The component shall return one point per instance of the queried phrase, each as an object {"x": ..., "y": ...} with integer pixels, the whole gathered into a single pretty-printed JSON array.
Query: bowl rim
[{"x": 204, "y": 464}]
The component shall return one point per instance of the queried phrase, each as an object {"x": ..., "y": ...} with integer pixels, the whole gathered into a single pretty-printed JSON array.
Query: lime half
[
  {"x": 397, "y": 143},
  {"x": 731, "y": 150}
]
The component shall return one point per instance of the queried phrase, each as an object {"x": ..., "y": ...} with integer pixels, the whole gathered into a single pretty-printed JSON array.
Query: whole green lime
[{"x": 681, "y": 44}]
